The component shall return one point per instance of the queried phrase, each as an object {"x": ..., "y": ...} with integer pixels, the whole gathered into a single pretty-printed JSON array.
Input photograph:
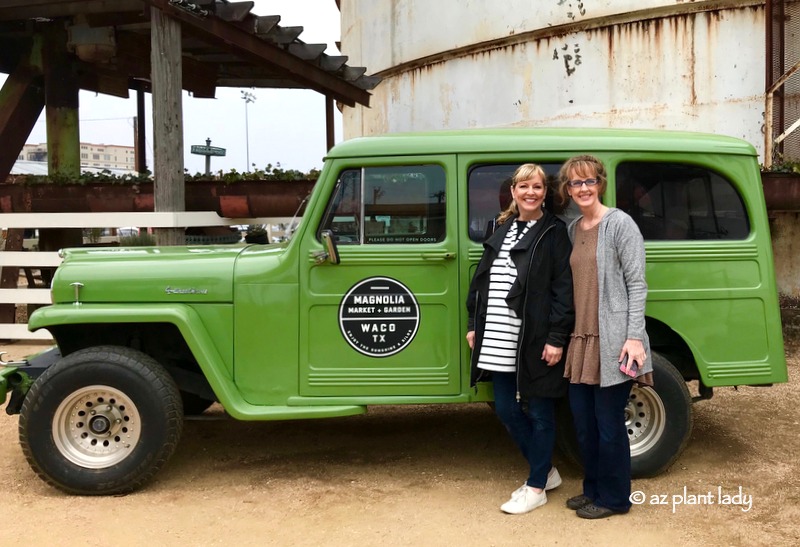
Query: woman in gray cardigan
[{"x": 609, "y": 345}]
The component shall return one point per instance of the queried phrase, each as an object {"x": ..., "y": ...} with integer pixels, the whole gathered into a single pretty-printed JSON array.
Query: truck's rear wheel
[
  {"x": 659, "y": 420},
  {"x": 102, "y": 420},
  {"x": 654, "y": 444}
]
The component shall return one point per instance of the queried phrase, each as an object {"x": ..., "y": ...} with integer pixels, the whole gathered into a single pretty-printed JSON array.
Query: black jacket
[{"x": 541, "y": 296}]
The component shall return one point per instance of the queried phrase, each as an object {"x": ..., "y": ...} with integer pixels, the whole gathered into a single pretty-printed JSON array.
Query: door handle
[{"x": 441, "y": 255}]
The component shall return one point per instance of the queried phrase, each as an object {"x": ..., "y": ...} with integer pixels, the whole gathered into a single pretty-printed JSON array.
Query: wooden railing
[
  {"x": 27, "y": 260},
  {"x": 770, "y": 140}
]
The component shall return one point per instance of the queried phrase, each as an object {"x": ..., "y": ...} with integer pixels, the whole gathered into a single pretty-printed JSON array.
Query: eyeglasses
[{"x": 579, "y": 183}]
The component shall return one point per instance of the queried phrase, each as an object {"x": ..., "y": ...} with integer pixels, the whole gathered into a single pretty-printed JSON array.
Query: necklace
[{"x": 584, "y": 234}]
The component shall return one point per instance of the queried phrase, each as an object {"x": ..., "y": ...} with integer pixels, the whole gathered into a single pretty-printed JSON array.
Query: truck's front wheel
[{"x": 101, "y": 421}]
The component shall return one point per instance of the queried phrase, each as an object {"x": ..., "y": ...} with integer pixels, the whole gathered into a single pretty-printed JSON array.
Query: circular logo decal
[{"x": 379, "y": 316}]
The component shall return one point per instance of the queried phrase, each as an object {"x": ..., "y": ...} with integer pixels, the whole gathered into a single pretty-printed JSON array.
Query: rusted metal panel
[
  {"x": 61, "y": 99},
  {"x": 693, "y": 71},
  {"x": 415, "y": 29}
]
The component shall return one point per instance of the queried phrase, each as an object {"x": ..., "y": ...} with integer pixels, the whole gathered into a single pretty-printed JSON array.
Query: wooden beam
[
  {"x": 166, "y": 66},
  {"x": 21, "y": 103},
  {"x": 133, "y": 60}
]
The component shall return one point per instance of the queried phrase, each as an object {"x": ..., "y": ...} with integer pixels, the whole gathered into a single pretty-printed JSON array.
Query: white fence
[{"x": 35, "y": 260}]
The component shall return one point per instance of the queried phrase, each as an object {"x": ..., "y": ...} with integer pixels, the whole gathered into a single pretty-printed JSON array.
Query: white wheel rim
[
  {"x": 96, "y": 427},
  {"x": 645, "y": 419}
]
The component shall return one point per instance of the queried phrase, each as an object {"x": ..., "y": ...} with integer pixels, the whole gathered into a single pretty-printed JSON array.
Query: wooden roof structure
[
  {"x": 224, "y": 44},
  {"x": 51, "y": 49}
]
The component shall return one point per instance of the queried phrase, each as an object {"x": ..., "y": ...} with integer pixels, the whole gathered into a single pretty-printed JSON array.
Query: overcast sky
[{"x": 286, "y": 126}]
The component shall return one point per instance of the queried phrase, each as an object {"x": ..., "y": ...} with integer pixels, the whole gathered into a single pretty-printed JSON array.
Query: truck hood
[{"x": 146, "y": 274}]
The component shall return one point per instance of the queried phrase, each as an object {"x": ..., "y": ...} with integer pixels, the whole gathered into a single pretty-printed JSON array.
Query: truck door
[{"x": 385, "y": 321}]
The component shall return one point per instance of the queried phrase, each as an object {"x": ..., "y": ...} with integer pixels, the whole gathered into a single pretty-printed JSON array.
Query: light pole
[{"x": 248, "y": 98}]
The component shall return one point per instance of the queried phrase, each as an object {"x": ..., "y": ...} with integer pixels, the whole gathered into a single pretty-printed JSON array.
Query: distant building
[
  {"x": 39, "y": 168},
  {"x": 100, "y": 156}
]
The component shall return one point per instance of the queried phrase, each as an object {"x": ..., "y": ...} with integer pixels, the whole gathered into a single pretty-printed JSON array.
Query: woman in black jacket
[{"x": 520, "y": 318}]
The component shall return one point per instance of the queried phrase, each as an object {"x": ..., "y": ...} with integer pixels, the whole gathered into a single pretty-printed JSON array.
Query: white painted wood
[
  {"x": 29, "y": 259},
  {"x": 20, "y": 332},
  {"x": 25, "y": 296}
]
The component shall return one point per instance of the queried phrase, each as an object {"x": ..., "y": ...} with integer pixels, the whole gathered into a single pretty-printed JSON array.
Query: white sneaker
[
  {"x": 524, "y": 500},
  {"x": 553, "y": 479}
]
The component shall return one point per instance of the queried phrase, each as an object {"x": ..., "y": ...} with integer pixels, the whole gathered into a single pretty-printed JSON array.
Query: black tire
[
  {"x": 654, "y": 445},
  {"x": 101, "y": 421}
]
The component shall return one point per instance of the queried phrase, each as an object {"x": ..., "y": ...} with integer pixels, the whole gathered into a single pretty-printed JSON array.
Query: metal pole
[
  {"x": 248, "y": 98},
  {"x": 208, "y": 158}
]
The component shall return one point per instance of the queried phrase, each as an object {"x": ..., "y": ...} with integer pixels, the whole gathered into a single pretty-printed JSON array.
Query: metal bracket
[{"x": 3, "y": 363}]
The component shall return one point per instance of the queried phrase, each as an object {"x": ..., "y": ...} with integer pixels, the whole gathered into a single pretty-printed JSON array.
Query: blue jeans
[
  {"x": 599, "y": 416},
  {"x": 531, "y": 424}
]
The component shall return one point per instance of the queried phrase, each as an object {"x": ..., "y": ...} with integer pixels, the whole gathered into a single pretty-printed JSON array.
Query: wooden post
[
  {"x": 139, "y": 132},
  {"x": 61, "y": 89},
  {"x": 165, "y": 68},
  {"x": 329, "y": 133}
]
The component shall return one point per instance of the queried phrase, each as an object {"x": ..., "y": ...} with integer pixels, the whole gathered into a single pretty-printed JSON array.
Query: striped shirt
[{"x": 501, "y": 334}]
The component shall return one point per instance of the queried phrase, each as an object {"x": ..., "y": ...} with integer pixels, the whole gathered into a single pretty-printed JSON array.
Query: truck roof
[{"x": 572, "y": 140}]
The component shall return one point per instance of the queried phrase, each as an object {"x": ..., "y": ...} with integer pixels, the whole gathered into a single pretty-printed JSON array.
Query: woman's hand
[
  {"x": 551, "y": 354},
  {"x": 471, "y": 339},
  {"x": 634, "y": 351}
]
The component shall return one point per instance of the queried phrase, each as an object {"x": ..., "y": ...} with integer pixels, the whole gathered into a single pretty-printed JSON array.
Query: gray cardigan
[{"x": 623, "y": 291}]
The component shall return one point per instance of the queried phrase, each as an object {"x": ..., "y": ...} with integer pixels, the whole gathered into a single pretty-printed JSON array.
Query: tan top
[
  {"x": 583, "y": 356},
  {"x": 582, "y": 364}
]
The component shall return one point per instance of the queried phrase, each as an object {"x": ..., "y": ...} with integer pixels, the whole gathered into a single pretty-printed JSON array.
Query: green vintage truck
[{"x": 364, "y": 305}]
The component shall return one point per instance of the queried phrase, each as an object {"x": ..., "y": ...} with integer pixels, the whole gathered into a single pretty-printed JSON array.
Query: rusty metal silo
[{"x": 450, "y": 64}]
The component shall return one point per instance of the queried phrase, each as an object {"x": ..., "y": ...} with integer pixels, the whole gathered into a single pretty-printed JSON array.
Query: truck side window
[
  {"x": 388, "y": 205},
  {"x": 489, "y": 190},
  {"x": 343, "y": 215},
  {"x": 671, "y": 201}
]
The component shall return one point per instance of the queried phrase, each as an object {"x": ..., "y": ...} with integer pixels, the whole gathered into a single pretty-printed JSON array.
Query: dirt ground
[{"x": 422, "y": 475}]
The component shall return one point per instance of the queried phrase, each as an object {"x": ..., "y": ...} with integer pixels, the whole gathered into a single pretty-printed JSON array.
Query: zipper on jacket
[{"x": 525, "y": 306}]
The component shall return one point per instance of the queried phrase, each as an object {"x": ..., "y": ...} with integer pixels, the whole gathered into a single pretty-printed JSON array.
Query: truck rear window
[{"x": 672, "y": 201}]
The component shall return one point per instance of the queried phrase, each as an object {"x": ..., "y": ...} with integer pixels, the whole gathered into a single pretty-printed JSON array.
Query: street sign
[{"x": 207, "y": 150}]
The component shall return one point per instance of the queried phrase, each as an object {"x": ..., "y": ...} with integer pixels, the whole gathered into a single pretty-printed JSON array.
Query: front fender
[
  {"x": 182, "y": 316},
  {"x": 194, "y": 333}
]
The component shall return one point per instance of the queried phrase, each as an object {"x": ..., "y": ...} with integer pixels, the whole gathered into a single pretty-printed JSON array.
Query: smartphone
[{"x": 634, "y": 368}]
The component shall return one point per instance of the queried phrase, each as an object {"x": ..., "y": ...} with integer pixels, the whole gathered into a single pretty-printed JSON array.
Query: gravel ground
[{"x": 421, "y": 475}]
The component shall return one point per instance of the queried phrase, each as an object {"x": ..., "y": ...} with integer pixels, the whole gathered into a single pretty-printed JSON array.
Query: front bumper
[
  {"x": 14, "y": 381},
  {"x": 16, "y": 378}
]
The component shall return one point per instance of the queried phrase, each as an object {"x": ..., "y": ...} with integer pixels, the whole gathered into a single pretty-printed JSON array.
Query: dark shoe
[
  {"x": 576, "y": 502},
  {"x": 593, "y": 511}
]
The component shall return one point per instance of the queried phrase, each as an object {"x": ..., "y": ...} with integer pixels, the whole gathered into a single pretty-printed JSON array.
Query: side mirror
[{"x": 331, "y": 253}]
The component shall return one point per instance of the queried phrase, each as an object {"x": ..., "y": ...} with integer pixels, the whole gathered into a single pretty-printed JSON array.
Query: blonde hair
[
  {"x": 584, "y": 163},
  {"x": 526, "y": 171}
]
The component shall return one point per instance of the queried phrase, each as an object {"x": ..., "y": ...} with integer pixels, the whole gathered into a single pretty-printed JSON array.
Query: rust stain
[{"x": 689, "y": 26}]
